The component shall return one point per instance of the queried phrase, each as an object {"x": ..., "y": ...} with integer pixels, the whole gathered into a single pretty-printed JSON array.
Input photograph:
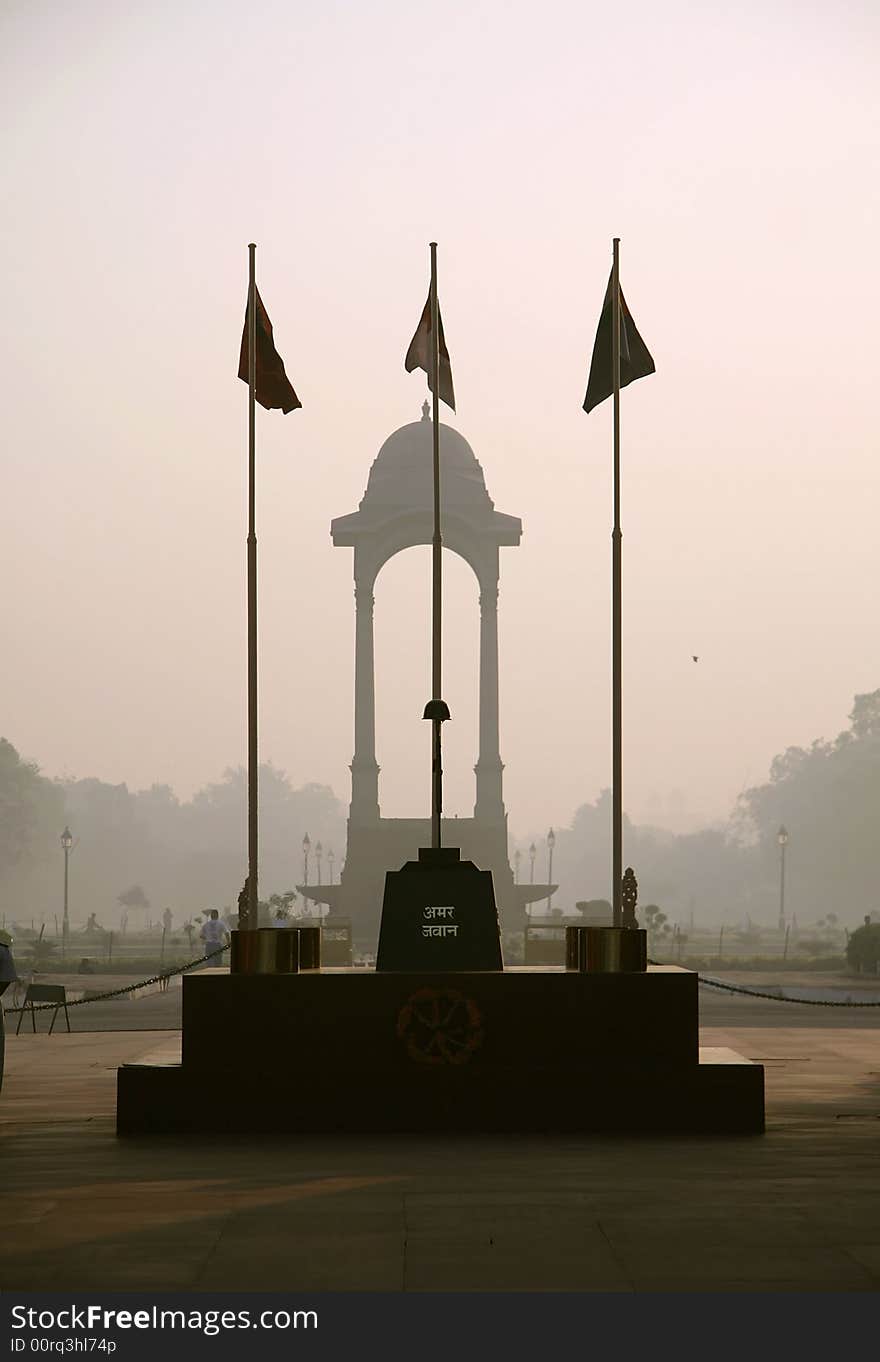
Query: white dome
[{"x": 403, "y": 471}]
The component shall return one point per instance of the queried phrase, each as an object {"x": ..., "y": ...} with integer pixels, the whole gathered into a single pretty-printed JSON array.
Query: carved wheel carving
[{"x": 440, "y": 1026}]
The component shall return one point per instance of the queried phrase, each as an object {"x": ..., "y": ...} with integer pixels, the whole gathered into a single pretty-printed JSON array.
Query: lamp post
[
  {"x": 517, "y": 857},
  {"x": 782, "y": 839},
  {"x": 319, "y": 851},
  {"x": 306, "y": 847},
  {"x": 67, "y": 843},
  {"x": 551, "y": 843},
  {"x": 532, "y": 854},
  {"x": 331, "y": 857}
]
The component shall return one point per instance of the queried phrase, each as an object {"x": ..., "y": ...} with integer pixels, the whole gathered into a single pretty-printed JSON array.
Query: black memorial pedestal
[
  {"x": 352, "y": 1050},
  {"x": 439, "y": 913}
]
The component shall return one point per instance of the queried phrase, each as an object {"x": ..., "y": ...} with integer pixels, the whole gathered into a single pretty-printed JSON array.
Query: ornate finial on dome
[{"x": 425, "y": 410}]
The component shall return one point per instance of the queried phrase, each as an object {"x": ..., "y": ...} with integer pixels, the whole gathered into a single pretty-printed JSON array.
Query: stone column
[
  {"x": 489, "y": 765},
  {"x": 364, "y": 770}
]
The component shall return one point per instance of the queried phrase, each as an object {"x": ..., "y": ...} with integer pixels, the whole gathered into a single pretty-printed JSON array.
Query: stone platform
[{"x": 524, "y": 1050}]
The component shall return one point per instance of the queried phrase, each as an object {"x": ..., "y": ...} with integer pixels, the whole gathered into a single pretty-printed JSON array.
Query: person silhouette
[
  {"x": 214, "y": 937},
  {"x": 243, "y": 905}
]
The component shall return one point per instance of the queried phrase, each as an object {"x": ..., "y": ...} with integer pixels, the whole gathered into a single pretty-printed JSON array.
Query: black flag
[
  {"x": 419, "y": 355},
  {"x": 272, "y": 387},
  {"x": 635, "y": 358}
]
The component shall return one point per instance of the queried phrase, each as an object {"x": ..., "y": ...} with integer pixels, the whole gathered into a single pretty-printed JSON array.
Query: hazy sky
[{"x": 734, "y": 149}]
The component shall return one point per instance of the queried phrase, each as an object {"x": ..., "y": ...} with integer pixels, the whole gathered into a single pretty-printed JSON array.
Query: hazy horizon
[
  {"x": 735, "y": 154},
  {"x": 669, "y": 812}
]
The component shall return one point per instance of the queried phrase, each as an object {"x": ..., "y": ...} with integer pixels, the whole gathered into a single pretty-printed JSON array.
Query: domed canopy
[
  {"x": 401, "y": 486},
  {"x": 396, "y": 513},
  {"x": 403, "y": 471}
]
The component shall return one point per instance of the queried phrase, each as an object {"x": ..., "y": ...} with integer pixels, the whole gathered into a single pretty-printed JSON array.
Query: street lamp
[
  {"x": 551, "y": 843},
  {"x": 517, "y": 857},
  {"x": 782, "y": 839},
  {"x": 306, "y": 847},
  {"x": 67, "y": 843},
  {"x": 319, "y": 851},
  {"x": 532, "y": 854}
]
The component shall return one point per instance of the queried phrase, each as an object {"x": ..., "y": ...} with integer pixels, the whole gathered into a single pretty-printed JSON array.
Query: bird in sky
[{"x": 696, "y": 659}]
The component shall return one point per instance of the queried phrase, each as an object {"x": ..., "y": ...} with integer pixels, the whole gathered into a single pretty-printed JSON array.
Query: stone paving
[{"x": 797, "y": 1209}]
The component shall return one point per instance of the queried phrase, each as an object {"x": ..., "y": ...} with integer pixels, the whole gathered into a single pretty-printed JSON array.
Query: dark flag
[
  {"x": 272, "y": 387},
  {"x": 635, "y": 358},
  {"x": 419, "y": 356}
]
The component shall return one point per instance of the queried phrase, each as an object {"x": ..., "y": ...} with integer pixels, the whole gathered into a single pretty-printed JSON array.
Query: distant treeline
[
  {"x": 828, "y": 798},
  {"x": 186, "y": 856},
  {"x": 192, "y": 855}
]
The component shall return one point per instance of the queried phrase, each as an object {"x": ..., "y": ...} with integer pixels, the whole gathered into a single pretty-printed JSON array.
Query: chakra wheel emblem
[{"x": 440, "y": 1026}]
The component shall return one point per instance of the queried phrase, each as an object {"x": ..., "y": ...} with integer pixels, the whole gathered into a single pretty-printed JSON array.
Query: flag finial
[{"x": 426, "y": 410}]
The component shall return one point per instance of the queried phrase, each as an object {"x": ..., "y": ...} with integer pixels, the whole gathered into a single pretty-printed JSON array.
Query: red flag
[
  {"x": 272, "y": 387},
  {"x": 635, "y": 357},
  {"x": 418, "y": 356}
]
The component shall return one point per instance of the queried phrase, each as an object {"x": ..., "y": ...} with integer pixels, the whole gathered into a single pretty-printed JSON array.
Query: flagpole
[
  {"x": 436, "y": 568},
  {"x": 253, "y": 896},
  {"x": 616, "y": 612}
]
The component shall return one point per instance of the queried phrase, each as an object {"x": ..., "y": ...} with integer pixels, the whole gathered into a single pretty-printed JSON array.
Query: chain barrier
[
  {"x": 119, "y": 992},
  {"x": 774, "y": 997},
  {"x": 181, "y": 969}
]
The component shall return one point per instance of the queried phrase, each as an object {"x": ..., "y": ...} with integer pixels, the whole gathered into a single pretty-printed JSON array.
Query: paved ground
[
  {"x": 152, "y": 1011},
  {"x": 797, "y": 1209}
]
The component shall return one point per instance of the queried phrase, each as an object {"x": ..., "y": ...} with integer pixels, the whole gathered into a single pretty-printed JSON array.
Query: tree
[
  {"x": 656, "y": 923},
  {"x": 32, "y": 812},
  {"x": 598, "y": 908},
  {"x": 191, "y": 853},
  {"x": 863, "y": 948},
  {"x": 864, "y": 717},
  {"x": 828, "y": 797},
  {"x": 711, "y": 865},
  {"x": 133, "y": 898}
]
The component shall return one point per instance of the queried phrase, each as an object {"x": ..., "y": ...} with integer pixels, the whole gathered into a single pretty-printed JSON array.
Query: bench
[{"x": 44, "y": 993}]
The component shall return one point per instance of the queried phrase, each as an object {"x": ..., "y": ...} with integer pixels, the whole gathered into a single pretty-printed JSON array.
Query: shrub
[{"x": 863, "y": 948}]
